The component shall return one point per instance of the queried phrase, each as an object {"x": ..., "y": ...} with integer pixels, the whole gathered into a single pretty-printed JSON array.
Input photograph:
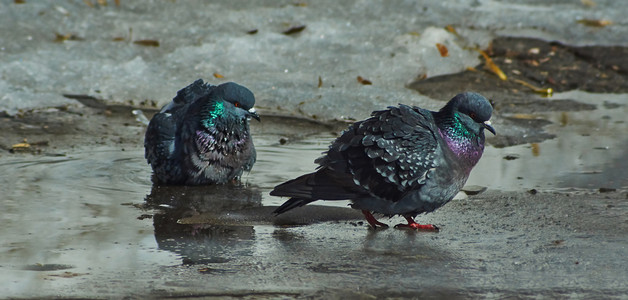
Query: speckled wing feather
[{"x": 388, "y": 154}]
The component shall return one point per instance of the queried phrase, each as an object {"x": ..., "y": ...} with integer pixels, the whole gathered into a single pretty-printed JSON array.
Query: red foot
[
  {"x": 414, "y": 225},
  {"x": 372, "y": 221}
]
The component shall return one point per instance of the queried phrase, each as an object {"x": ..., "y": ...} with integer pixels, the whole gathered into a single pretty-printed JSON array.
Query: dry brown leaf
[
  {"x": 442, "y": 49},
  {"x": 595, "y": 23},
  {"x": 564, "y": 119},
  {"x": 364, "y": 81},
  {"x": 320, "y": 82},
  {"x": 102, "y": 2},
  {"x": 19, "y": 1},
  {"x": 524, "y": 117},
  {"x": 492, "y": 66},
  {"x": 451, "y": 29},
  {"x": 536, "y": 151},
  {"x": 217, "y": 75},
  {"x": 147, "y": 43},
  {"x": 293, "y": 30},
  {"x": 60, "y": 38},
  {"x": 89, "y": 3},
  {"x": 68, "y": 274},
  {"x": 117, "y": 2},
  {"x": 588, "y": 3}
]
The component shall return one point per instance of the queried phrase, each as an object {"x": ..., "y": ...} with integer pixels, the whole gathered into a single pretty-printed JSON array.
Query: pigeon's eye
[
  {"x": 236, "y": 104},
  {"x": 473, "y": 115}
]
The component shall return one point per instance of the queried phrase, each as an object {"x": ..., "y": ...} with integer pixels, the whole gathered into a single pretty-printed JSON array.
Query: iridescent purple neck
[
  {"x": 468, "y": 150},
  {"x": 217, "y": 140}
]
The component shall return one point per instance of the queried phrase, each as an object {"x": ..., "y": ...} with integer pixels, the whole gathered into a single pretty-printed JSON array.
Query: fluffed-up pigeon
[{"x": 202, "y": 136}]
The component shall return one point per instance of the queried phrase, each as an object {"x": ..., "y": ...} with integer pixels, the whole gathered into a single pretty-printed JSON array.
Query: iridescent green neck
[
  {"x": 213, "y": 113},
  {"x": 462, "y": 142},
  {"x": 457, "y": 130}
]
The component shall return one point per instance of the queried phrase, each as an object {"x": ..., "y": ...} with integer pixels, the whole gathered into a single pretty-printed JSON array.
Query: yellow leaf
[
  {"x": 595, "y": 23},
  {"x": 492, "y": 66}
]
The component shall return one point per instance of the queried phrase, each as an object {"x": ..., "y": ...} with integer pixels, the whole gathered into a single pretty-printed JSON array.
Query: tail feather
[
  {"x": 323, "y": 184},
  {"x": 290, "y": 204}
]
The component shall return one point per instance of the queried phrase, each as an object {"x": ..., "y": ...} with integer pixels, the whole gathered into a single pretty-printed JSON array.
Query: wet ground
[{"x": 82, "y": 219}]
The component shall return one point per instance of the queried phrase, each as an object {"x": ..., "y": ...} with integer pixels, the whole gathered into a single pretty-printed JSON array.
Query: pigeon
[
  {"x": 401, "y": 161},
  {"x": 202, "y": 137}
]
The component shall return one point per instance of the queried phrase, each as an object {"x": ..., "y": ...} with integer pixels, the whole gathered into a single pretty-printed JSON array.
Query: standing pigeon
[
  {"x": 202, "y": 136},
  {"x": 400, "y": 161}
]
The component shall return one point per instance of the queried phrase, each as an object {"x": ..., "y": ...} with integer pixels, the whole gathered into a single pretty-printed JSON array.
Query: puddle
[
  {"x": 590, "y": 150},
  {"x": 97, "y": 213}
]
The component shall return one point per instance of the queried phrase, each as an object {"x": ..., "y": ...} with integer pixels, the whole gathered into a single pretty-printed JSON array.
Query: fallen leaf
[
  {"x": 20, "y": 146},
  {"x": 68, "y": 274},
  {"x": 218, "y": 75},
  {"x": 119, "y": 39},
  {"x": 536, "y": 151},
  {"x": 589, "y": 3},
  {"x": 531, "y": 62},
  {"x": 492, "y": 66},
  {"x": 117, "y": 2},
  {"x": 364, "y": 81},
  {"x": 252, "y": 31},
  {"x": 548, "y": 92},
  {"x": 19, "y": 1},
  {"x": 60, "y": 38},
  {"x": 89, "y": 3},
  {"x": 102, "y": 2},
  {"x": 293, "y": 30},
  {"x": 564, "y": 118},
  {"x": 300, "y": 4},
  {"x": 320, "y": 82},
  {"x": 524, "y": 116},
  {"x": 451, "y": 29},
  {"x": 442, "y": 49},
  {"x": 595, "y": 23},
  {"x": 147, "y": 43}
]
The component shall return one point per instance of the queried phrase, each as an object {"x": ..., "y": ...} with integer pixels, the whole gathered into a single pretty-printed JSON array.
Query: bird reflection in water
[{"x": 183, "y": 222}]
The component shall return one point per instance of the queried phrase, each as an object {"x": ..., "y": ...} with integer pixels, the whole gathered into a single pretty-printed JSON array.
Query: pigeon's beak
[
  {"x": 488, "y": 127},
  {"x": 253, "y": 114}
]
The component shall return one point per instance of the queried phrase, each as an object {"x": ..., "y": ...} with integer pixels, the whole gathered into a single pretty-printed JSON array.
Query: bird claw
[
  {"x": 418, "y": 227},
  {"x": 372, "y": 221}
]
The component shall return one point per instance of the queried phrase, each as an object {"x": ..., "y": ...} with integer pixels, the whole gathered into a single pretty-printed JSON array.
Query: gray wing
[
  {"x": 388, "y": 154},
  {"x": 159, "y": 138},
  {"x": 188, "y": 95},
  {"x": 159, "y": 141}
]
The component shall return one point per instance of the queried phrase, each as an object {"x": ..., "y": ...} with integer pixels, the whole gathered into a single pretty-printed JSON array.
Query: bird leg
[
  {"x": 414, "y": 225},
  {"x": 372, "y": 221}
]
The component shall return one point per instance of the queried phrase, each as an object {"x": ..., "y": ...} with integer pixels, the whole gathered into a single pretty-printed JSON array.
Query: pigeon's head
[
  {"x": 473, "y": 110},
  {"x": 239, "y": 97}
]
